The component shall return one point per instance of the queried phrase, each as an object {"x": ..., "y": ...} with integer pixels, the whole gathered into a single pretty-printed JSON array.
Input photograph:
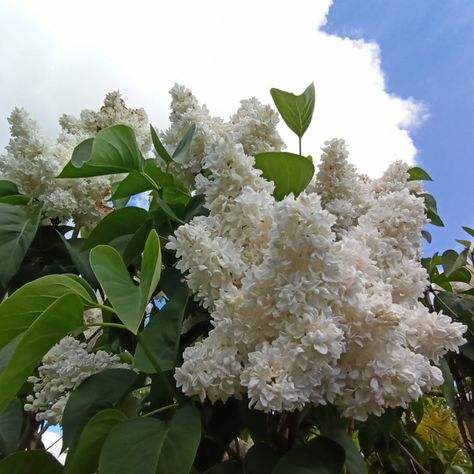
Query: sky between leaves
[{"x": 391, "y": 77}]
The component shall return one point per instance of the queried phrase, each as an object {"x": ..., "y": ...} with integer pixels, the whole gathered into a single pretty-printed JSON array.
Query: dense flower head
[
  {"x": 63, "y": 369},
  {"x": 253, "y": 127},
  {"x": 33, "y": 162},
  {"x": 313, "y": 299}
]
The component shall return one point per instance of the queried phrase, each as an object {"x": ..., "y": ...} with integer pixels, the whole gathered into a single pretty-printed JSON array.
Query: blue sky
[{"x": 427, "y": 52}]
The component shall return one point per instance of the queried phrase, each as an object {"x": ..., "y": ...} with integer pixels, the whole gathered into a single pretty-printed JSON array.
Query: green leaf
[
  {"x": 291, "y": 173},
  {"x": 122, "y": 222},
  {"x": 461, "y": 274},
  {"x": 157, "y": 448},
  {"x": 15, "y": 199},
  {"x": 80, "y": 257},
  {"x": 134, "y": 183},
  {"x": 8, "y": 188},
  {"x": 82, "y": 153},
  {"x": 164, "y": 330},
  {"x": 458, "y": 307},
  {"x": 442, "y": 281},
  {"x": 135, "y": 245},
  {"x": 327, "y": 418},
  {"x": 104, "y": 390},
  {"x": 11, "y": 421},
  {"x": 114, "y": 150},
  {"x": 57, "y": 321},
  {"x": 296, "y": 110},
  {"x": 427, "y": 236},
  {"x": 160, "y": 149},
  {"x": 151, "y": 267},
  {"x": 469, "y": 231},
  {"x": 451, "y": 261},
  {"x": 431, "y": 209},
  {"x": 128, "y": 300},
  {"x": 18, "y": 226},
  {"x": 465, "y": 243},
  {"x": 418, "y": 174},
  {"x": 27, "y": 462},
  {"x": 354, "y": 461},
  {"x": 160, "y": 203},
  {"x": 19, "y": 311},
  {"x": 151, "y": 178},
  {"x": 182, "y": 150},
  {"x": 195, "y": 207},
  {"x": 85, "y": 458},
  {"x": 319, "y": 456},
  {"x": 260, "y": 459},
  {"x": 448, "y": 384},
  {"x": 176, "y": 194}
]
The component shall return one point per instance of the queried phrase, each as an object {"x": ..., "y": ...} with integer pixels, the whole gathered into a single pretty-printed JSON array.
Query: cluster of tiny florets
[
  {"x": 62, "y": 370},
  {"x": 313, "y": 299},
  {"x": 253, "y": 126},
  {"x": 33, "y": 162}
]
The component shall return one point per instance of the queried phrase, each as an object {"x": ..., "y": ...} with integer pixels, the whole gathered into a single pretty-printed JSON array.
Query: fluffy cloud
[{"x": 61, "y": 56}]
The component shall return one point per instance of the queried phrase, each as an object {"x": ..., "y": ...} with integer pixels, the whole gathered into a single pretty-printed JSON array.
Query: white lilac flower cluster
[
  {"x": 313, "y": 299},
  {"x": 253, "y": 126},
  {"x": 62, "y": 370},
  {"x": 33, "y": 161}
]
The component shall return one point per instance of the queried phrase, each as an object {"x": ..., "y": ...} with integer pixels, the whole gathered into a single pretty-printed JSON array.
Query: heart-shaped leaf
[
  {"x": 107, "y": 389},
  {"x": 291, "y": 173},
  {"x": 157, "y": 448},
  {"x": 296, "y": 110},
  {"x": 85, "y": 457},
  {"x": 128, "y": 299}
]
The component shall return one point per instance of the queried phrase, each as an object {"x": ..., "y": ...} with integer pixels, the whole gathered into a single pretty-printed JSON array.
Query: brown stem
[
  {"x": 292, "y": 421},
  {"x": 410, "y": 456},
  {"x": 27, "y": 440},
  {"x": 463, "y": 411},
  {"x": 75, "y": 232}
]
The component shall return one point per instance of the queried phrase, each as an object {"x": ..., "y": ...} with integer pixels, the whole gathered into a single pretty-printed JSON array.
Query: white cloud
[{"x": 63, "y": 55}]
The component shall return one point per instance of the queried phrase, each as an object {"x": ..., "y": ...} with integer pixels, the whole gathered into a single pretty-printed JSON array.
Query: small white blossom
[{"x": 62, "y": 370}]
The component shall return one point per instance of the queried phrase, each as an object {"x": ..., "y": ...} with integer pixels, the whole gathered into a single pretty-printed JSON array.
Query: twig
[
  {"x": 405, "y": 450},
  {"x": 160, "y": 410}
]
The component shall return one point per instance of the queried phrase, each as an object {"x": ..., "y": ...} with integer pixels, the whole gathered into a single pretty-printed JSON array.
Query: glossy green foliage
[
  {"x": 28, "y": 462},
  {"x": 25, "y": 351},
  {"x": 158, "y": 447},
  {"x": 106, "y": 389},
  {"x": 164, "y": 330},
  {"x": 128, "y": 299},
  {"x": 84, "y": 459},
  {"x": 18, "y": 226},
  {"x": 291, "y": 173},
  {"x": 113, "y": 150},
  {"x": 296, "y": 110}
]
